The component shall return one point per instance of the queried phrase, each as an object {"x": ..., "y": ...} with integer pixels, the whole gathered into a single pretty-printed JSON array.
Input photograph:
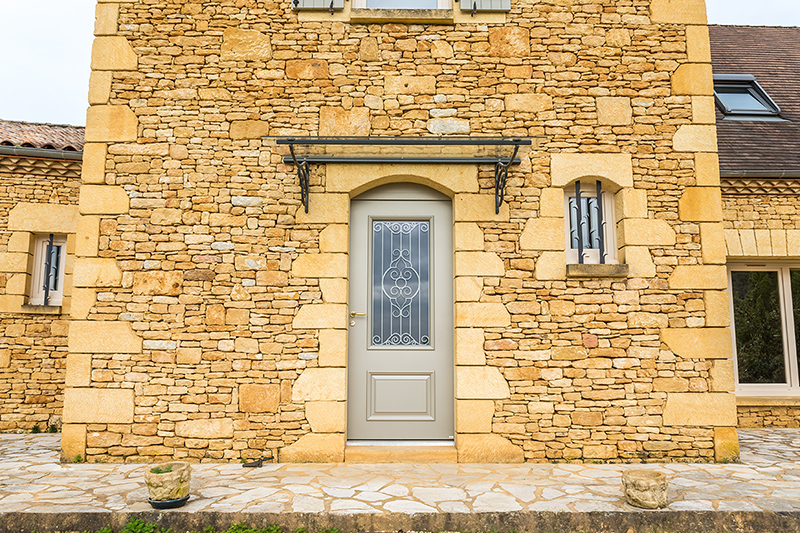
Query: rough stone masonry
[{"x": 209, "y": 315}]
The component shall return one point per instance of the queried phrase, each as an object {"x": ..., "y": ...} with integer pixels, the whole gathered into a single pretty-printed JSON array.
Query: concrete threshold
[
  {"x": 522, "y": 522},
  {"x": 401, "y": 454}
]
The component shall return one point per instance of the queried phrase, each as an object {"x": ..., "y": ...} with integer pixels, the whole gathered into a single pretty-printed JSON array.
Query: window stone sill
[
  {"x": 41, "y": 309},
  {"x": 767, "y": 401},
  {"x": 597, "y": 271},
  {"x": 421, "y": 16}
]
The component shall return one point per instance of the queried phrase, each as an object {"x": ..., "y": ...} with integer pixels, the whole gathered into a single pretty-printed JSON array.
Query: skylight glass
[{"x": 741, "y": 95}]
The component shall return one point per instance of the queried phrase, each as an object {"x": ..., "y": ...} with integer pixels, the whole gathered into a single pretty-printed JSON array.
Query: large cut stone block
[
  {"x": 43, "y": 218},
  {"x": 693, "y": 79},
  {"x": 712, "y": 240},
  {"x": 249, "y": 129},
  {"x": 102, "y": 337},
  {"x": 352, "y": 122},
  {"x": 326, "y": 208},
  {"x": 726, "y": 445},
  {"x": 479, "y": 264},
  {"x": 315, "y": 448},
  {"x": 307, "y": 69},
  {"x": 678, "y": 12},
  {"x": 478, "y": 208},
  {"x": 700, "y": 409},
  {"x": 103, "y": 200},
  {"x": 320, "y": 266},
  {"x": 320, "y": 384},
  {"x": 699, "y": 343},
  {"x": 528, "y": 102},
  {"x": 217, "y": 428},
  {"x": 96, "y": 272},
  {"x": 98, "y": 406},
  {"x": 82, "y": 302},
  {"x": 469, "y": 346},
  {"x": 509, "y": 41},
  {"x": 551, "y": 202},
  {"x": 257, "y": 398},
  {"x": 646, "y": 232},
  {"x": 335, "y": 239},
  {"x": 158, "y": 283},
  {"x": 470, "y": 315},
  {"x": 410, "y": 85},
  {"x": 631, "y": 203},
  {"x": 551, "y": 266},
  {"x": 94, "y": 163},
  {"x": 355, "y": 179},
  {"x": 480, "y": 383},
  {"x": 474, "y": 416},
  {"x": 87, "y": 237},
  {"x": 722, "y": 376},
  {"x": 703, "y": 111},
  {"x": 327, "y": 417},
  {"x": 79, "y": 370},
  {"x": 487, "y": 448},
  {"x": 105, "y": 19},
  {"x": 100, "y": 87},
  {"x": 468, "y": 236},
  {"x": 321, "y": 316},
  {"x": 468, "y": 289},
  {"x": 706, "y": 168},
  {"x": 543, "y": 234},
  {"x": 73, "y": 442},
  {"x": 113, "y": 53},
  {"x": 333, "y": 347},
  {"x": 699, "y": 277},
  {"x": 718, "y": 311},
  {"x": 614, "y": 111},
  {"x": 695, "y": 138},
  {"x": 245, "y": 45},
  {"x": 700, "y": 204},
  {"x": 109, "y": 123},
  {"x": 615, "y": 168}
]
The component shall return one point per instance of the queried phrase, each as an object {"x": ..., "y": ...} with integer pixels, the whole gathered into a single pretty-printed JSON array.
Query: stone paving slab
[{"x": 767, "y": 481}]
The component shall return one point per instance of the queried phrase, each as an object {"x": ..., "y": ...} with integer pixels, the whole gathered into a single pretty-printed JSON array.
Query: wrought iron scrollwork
[
  {"x": 500, "y": 177},
  {"x": 303, "y": 173}
]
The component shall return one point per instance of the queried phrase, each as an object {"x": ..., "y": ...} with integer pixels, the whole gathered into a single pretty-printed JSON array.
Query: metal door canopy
[{"x": 499, "y": 151}]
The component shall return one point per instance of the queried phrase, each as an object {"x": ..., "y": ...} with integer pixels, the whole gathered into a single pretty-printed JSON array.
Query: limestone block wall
[
  {"x": 764, "y": 227},
  {"x": 210, "y": 312},
  {"x": 36, "y": 196}
]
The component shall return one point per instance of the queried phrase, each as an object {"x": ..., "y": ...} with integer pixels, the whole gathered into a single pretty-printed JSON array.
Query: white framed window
[
  {"x": 405, "y": 4},
  {"x": 765, "y": 323},
  {"x": 589, "y": 224},
  {"x": 47, "y": 281}
]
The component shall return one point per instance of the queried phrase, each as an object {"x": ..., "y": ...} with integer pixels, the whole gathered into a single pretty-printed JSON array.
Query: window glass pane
[
  {"x": 590, "y": 226},
  {"x": 405, "y": 4},
  {"x": 741, "y": 100},
  {"x": 795, "y": 276},
  {"x": 757, "y": 317},
  {"x": 54, "y": 264},
  {"x": 401, "y": 283}
]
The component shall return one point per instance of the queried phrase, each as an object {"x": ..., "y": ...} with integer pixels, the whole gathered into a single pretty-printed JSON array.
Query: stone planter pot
[
  {"x": 646, "y": 489},
  {"x": 168, "y": 484}
]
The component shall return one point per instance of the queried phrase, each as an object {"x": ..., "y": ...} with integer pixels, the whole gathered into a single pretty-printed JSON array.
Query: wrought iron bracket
[
  {"x": 303, "y": 172},
  {"x": 500, "y": 177}
]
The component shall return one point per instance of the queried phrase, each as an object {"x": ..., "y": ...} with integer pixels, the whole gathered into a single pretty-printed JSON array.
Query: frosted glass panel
[{"x": 400, "y": 283}]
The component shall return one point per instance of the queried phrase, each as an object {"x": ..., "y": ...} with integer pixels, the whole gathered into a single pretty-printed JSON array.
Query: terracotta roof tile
[
  {"x": 772, "y": 55},
  {"x": 41, "y": 135}
]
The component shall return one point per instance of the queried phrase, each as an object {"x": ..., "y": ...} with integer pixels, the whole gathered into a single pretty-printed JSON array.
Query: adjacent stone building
[
  {"x": 40, "y": 169},
  {"x": 576, "y": 310}
]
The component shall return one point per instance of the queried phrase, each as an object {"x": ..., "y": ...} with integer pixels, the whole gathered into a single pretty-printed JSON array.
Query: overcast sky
[{"x": 46, "y": 44}]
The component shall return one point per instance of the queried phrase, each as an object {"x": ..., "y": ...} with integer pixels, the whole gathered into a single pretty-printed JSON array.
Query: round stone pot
[
  {"x": 168, "y": 483},
  {"x": 646, "y": 489}
]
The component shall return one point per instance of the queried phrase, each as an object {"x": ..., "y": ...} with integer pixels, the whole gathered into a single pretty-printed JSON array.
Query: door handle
[{"x": 353, "y": 315}]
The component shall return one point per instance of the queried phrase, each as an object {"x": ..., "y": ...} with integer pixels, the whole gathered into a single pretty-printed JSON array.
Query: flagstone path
[{"x": 768, "y": 479}]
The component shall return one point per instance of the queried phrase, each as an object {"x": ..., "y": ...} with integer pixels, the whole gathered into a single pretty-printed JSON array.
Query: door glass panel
[
  {"x": 759, "y": 336},
  {"x": 795, "y": 278},
  {"x": 401, "y": 283}
]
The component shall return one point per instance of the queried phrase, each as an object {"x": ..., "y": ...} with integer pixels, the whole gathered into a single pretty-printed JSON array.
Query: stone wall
[
  {"x": 210, "y": 316},
  {"x": 36, "y": 196}
]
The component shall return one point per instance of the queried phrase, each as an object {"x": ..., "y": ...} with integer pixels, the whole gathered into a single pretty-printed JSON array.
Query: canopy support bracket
[{"x": 500, "y": 177}]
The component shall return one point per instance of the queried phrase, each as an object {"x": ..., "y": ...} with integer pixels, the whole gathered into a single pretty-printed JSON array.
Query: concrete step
[{"x": 401, "y": 454}]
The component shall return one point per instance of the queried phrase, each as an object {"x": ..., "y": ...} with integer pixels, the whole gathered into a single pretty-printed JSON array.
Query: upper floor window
[
  {"x": 589, "y": 212},
  {"x": 47, "y": 282},
  {"x": 740, "y": 95}
]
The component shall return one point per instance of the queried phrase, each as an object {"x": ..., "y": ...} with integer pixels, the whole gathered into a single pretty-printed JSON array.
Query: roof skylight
[{"x": 740, "y": 95}]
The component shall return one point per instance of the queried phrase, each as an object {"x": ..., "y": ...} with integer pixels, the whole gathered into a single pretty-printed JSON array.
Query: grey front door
[{"x": 400, "y": 367}]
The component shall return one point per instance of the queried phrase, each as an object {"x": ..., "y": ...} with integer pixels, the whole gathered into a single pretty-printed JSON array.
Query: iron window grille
[
  {"x": 48, "y": 275},
  {"x": 589, "y": 235}
]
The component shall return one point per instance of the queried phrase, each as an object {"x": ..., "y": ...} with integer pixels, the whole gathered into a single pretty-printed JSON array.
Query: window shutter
[
  {"x": 317, "y": 5},
  {"x": 485, "y": 5}
]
